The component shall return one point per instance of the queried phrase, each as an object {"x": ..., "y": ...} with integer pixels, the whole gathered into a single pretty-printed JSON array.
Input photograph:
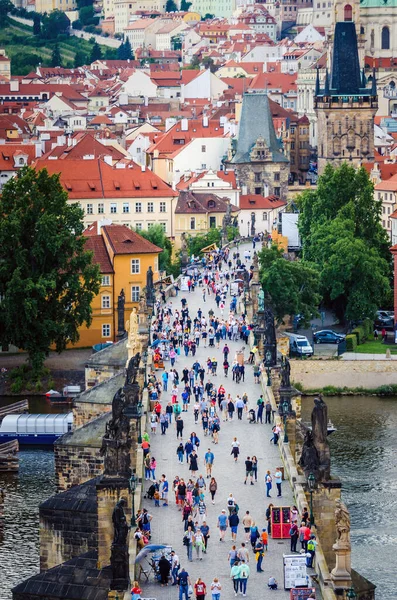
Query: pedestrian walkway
[{"x": 167, "y": 525}]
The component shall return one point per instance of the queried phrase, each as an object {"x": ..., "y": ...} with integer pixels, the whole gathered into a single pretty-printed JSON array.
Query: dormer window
[{"x": 211, "y": 203}]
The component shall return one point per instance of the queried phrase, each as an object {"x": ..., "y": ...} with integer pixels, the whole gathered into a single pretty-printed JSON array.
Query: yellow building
[
  {"x": 5, "y": 65},
  {"x": 47, "y": 6},
  {"x": 124, "y": 258}
]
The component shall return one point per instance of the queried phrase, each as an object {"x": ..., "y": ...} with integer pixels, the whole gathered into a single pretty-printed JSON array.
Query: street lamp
[
  {"x": 351, "y": 594},
  {"x": 285, "y": 414},
  {"x": 268, "y": 359},
  {"x": 133, "y": 484},
  {"x": 145, "y": 357},
  {"x": 311, "y": 482}
]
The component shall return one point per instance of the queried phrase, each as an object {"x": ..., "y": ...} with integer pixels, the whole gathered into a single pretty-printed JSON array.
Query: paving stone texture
[{"x": 167, "y": 526}]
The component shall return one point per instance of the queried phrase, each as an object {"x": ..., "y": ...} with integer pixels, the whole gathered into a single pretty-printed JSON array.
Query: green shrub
[
  {"x": 351, "y": 342},
  {"x": 359, "y": 332},
  {"x": 17, "y": 386},
  {"x": 38, "y": 387},
  {"x": 368, "y": 327}
]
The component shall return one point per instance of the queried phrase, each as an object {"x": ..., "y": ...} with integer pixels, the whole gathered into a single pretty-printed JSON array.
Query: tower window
[
  {"x": 348, "y": 13},
  {"x": 385, "y": 38}
]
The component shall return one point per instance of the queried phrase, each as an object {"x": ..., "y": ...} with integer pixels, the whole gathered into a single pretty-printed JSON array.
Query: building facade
[
  {"x": 259, "y": 161},
  {"x": 345, "y": 106}
]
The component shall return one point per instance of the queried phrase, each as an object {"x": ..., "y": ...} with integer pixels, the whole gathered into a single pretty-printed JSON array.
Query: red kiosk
[{"x": 280, "y": 521}]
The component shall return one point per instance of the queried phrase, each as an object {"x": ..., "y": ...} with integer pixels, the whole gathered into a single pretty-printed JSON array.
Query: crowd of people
[{"x": 192, "y": 403}]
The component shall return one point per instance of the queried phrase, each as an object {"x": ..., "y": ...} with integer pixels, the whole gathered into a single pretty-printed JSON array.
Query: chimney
[
  {"x": 205, "y": 121},
  {"x": 101, "y": 224},
  {"x": 14, "y": 85},
  {"x": 184, "y": 125},
  {"x": 108, "y": 160},
  {"x": 143, "y": 168},
  {"x": 38, "y": 151},
  {"x": 244, "y": 190}
]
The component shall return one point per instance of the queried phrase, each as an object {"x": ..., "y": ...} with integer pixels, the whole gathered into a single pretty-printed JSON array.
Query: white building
[{"x": 218, "y": 8}]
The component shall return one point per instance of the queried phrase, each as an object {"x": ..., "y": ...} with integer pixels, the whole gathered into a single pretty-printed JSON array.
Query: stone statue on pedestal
[
  {"x": 253, "y": 224},
  {"x": 285, "y": 372},
  {"x": 116, "y": 443},
  {"x": 133, "y": 344},
  {"x": 316, "y": 457},
  {"x": 341, "y": 574},
  {"x": 150, "y": 293},
  {"x": 184, "y": 250},
  {"x": 261, "y": 300},
  {"x": 119, "y": 558},
  {"x": 270, "y": 337},
  {"x": 132, "y": 369},
  {"x": 120, "y": 314}
]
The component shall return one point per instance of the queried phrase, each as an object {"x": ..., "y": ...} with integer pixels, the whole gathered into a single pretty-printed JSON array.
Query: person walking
[
  {"x": 183, "y": 581},
  {"x": 200, "y": 589},
  {"x": 174, "y": 567},
  {"x": 201, "y": 511},
  {"x": 243, "y": 554},
  {"x": 235, "y": 449},
  {"x": 240, "y": 407},
  {"x": 213, "y": 486},
  {"x": 222, "y": 525},
  {"x": 216, "y": 589},
  {"x": 278, "y": 478},
  {"x": 235, "y": 577},
  {"x": 164, "y": 568},
  {"x": 243, "y": 576},
  {"x": 180, "y": 452},
  {"x": 268, "y": 412},
  {"x": 209, "y": 461},
  {"x": 188, "y": 540},
  {"x": 247, "y": 522},
  {"x": 233, "y": 524},
  {"x": 205, "y": 530},
  {"x": 179, "y": 428},
  {"x": 248, "y": 470},
  {"x": 260, "y": 404},
  {"x": 255, "y": 467},
  {"x": 268, "y": 482},
  {"x": 232, "y": 556},
  {"x": 164, "y": 490},
  {"x": 199, "y": 544},
  {"x": 294, "y": 535}
]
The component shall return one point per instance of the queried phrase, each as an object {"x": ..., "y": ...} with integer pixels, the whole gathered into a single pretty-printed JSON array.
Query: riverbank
[{"x": 330, "y": 390}]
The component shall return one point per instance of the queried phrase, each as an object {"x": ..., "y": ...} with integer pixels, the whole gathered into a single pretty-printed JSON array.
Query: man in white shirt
[{"x": 174, "y": 567}]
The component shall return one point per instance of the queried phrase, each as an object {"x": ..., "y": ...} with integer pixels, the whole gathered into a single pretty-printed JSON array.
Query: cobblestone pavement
[{"x": 167, "y": 525}]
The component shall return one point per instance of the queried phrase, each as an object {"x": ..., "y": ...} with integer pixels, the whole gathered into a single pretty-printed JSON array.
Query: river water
[
  {"x": 363, "y": 455},
  {"x": 35, "y": 482}
]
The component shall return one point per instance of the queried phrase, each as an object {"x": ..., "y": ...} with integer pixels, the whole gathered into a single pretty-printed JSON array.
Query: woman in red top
[{"x": 200, "y": 589}]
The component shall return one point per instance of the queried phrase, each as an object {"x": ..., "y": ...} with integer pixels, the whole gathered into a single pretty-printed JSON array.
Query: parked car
[
  {"x": 385, "y": 323},
  {"x": 299, "y": 345},
  {"x": 327, "y": 336},
  {"x": 384, "y": 314}
]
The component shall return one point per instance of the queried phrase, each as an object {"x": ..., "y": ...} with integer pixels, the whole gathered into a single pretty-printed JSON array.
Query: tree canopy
[
  {"x": 171, "y": 6},
  {"x": 185, "y": 5},
  {"x": 197, "y": 242},
  {"x": 124, "y": 51},
  {"x": 5, "y": 7},
  {"x": 342, "y": 234},
  {"x": 56, "y": 59},
  {"x": 292, "y": 287},
  {"x": 157, "y": 236},
  {"x": 96, "y": 53},
  {"x": 54, "y": 24},
  {"x": 47, "y": 279}
]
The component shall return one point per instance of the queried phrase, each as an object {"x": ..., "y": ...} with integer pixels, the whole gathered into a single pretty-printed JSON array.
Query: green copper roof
[
  {"x": 256, "y": 121},
  {"x": 378, "y": 3}
]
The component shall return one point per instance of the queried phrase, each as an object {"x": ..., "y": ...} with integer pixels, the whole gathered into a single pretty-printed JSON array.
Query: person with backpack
[
  {"x": 244, "y": 573},
  {"x": 188, "y": 540},
  {"x": 179, "y": 427},
  {"x": 254, "y": 535},
  {"x": 183, "y": 581},
  {"x": 259, "y": 554},
  {"x": 235, "y": 576},
  {"x": 311, "y": 549}
]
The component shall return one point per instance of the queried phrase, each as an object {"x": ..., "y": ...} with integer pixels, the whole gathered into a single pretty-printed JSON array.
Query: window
[
  {"x": 113, "y": 208},
  {"x": 277, "y": 191},
  {"x": 89, "y": 209},
  {"x": 163, "y": 207},
  {"x": 192, "y": 222},
  {"x": 277, "y": 177},
  {"x": 156, "y": 264},
  {"x": 101, "y": 208},
  {"x": 292, "y": 145},
  {"x": 212, "y": 222},
  {"x": 348, "y": 13},
  {"x": 138, "y": 207},
  {"x": 164, "y": 227},
  {"x": 258, "y": 190},
  {"x": 105, "y": 280},
  {"x": 150, "y": 225},
  {"x": 105, "y": 330},
  {"x": 385, "y": 38},
  {"x": 150, "y": 207},
  {"x": 257, "y": 177},
  {"x": 383, "y": 209},
  {"x": 264, "y": 216},
  {"x": 203, "y": 148},
  {"x": 135, "y": 293},
  {"x": 135, "y": 265},
  {"x": 105, "y": 302},
  {"x": 138, "y": 226},
  {"x": 126, "y": 207}
]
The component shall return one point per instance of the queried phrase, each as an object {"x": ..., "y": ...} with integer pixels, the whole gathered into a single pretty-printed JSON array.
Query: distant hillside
[{"x": 26, "y": 50}]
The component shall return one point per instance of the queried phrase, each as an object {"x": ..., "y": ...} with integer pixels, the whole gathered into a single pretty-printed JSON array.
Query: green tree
[
  {"x": 208, "y": 16},
  {"x": 96, "y": 53},
  {"x": 24, "y": 62},
  {"x": 197, "y": 242},
  {"x": 334, "y": 221},
  {"x": 47, "y": 279},
  {"x": 56, "y": 59},
  {"x": 195, "y": 62},
  {"x": 36, "y": 24},
  {"x": 293, "y": 287},
  {"x": 5, "y": 7},
  {"x": 171, "y": 6},
  {"x": 54, "y": 24},
  {"x": 208, "y": 63},
  {"x": 157, "y": 236},
  {"x": 124, "y": 51},
  {"x": 80, "y": 59},
  {"x": 185, "y": 5},
  {"x": 86, "y": 15}
]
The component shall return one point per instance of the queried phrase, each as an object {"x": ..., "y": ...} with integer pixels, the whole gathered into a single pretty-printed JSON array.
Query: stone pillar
[
  {"x": 291, "y": 432},
  {"x": 324, "y": 515},
  {"x": 109, "y": 492}
]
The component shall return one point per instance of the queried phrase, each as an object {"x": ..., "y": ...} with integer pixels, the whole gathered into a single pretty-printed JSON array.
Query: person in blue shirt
[
  {"x": 164, "y": 490},
  {"x": 188, "y": 449},
  {"x": 209, "y": 461},
  {"x": 222, "y": 525},
  {"x": 184, "y": 582},
  {"x": 165, "y": 380}
]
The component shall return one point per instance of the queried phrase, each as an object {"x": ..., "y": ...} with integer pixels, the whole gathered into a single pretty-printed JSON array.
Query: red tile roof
[
  {"x": 272, "y": 81},
  {"x": 252, "y": 201},
  {"x": 96, "y": 244},
  {"x": 125, "y": 241},
  {"x": 87, "y": 145},
  {"x": 193, "y": 203}
]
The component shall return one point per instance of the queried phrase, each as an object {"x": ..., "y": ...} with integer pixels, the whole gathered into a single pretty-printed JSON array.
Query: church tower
[{"x": 345, "y": 106}]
